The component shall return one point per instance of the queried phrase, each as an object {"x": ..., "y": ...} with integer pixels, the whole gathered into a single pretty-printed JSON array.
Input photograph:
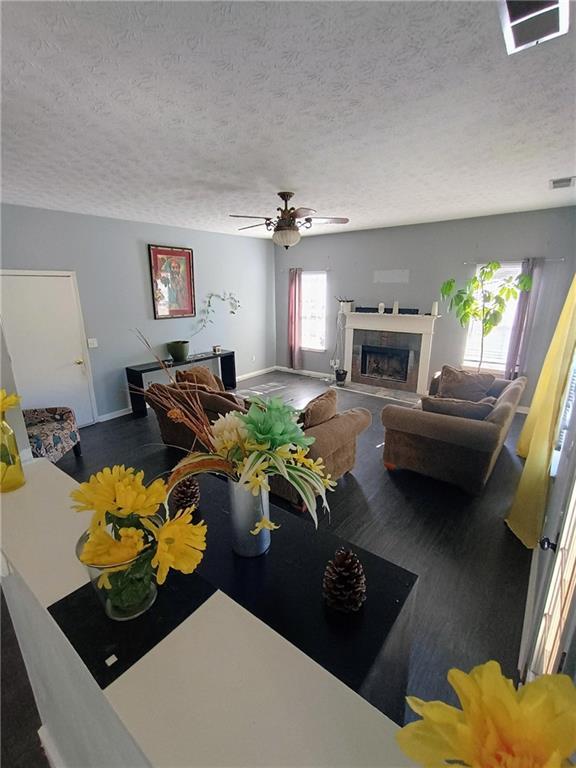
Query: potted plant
[
  {"x": 178, "y": 350},
  {"x": 483, "y": 299}
]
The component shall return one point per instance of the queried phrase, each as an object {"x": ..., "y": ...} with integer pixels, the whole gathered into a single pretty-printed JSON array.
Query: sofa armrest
[
  {"x": 337, "y": 431},
  {"x": 434, "y": 383},
  {"x": 468, "y": 433}
]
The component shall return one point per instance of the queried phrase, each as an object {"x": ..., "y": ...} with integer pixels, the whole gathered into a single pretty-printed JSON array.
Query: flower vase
[
  {"x": 126, "y": 590},
  {"x": 11, "y": 472},
  {"x": 246, "y": 510}
]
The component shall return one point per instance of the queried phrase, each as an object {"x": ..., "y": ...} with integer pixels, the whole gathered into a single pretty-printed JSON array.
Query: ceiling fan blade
[
  {"x": 251, "y": 226},
  {"x": 328, "y": 219},
  {"x": 301, "y": 213},
  {"x": 241, "y": 216}
]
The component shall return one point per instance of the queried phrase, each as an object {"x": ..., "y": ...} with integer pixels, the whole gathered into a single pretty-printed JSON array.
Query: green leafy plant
[
  {"x": 483, "y": 299},
  {"x": 207, "y": 309}
]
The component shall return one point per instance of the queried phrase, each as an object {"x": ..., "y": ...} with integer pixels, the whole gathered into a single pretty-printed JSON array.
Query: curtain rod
[{"x": 516, "y": 261}]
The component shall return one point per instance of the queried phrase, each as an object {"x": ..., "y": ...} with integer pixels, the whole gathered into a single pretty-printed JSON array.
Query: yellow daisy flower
[
  {"x": 8, "y": 401},
  {"x": 180, "y": 544},
  {"x": 103, "y": 549},
  {"x": 120, "y": 492},
  {"x": 497, "y": 727}
]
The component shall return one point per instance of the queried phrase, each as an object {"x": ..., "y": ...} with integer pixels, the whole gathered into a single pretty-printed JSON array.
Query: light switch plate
[{"x": 92, "y": 343}]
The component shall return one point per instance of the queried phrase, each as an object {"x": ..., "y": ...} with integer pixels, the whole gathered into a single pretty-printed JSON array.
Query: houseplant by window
[{"x": 483, "y": 298}]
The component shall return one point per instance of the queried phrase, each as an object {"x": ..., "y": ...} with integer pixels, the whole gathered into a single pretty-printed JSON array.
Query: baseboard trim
[
  {"x": 244, "y": 376},
  {"x": 114, "y": 414},
  {"x": 302, "y": 372}
]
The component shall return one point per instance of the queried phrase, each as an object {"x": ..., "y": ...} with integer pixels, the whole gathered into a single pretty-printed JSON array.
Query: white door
[{"x": 44, "y": 331}]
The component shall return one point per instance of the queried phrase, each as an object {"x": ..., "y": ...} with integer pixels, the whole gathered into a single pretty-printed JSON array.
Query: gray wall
[
  {"x": 432, "y": 253},
  {"x": 110, "y": 259}
]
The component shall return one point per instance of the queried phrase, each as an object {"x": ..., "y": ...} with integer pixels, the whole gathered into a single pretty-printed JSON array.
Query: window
[
  {"x": 496, "y": 343},
  {"x": 314, "y": 311}
]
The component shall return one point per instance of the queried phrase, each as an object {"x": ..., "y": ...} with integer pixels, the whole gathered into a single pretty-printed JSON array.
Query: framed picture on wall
[{"x": 172, "y": 274}]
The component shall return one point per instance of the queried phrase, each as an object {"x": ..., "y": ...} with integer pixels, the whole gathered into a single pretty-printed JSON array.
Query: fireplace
[
  {"x": 388, "y": 351},
  {"x": 386, "y": 363}
]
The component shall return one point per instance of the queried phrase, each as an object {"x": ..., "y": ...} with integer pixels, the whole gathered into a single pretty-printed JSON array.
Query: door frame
[{"x": 82, "y": 329}]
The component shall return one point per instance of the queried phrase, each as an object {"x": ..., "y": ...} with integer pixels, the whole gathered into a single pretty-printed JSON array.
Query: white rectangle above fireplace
[{"x": 391, "y": 276}]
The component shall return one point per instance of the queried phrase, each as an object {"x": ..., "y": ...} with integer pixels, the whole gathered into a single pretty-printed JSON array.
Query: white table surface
[{"x": 222, "y": 689}]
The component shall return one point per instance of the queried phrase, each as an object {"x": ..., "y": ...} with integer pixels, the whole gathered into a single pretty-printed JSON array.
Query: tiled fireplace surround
[
  {"x": 387, "y": 340},
  {"x": 382, "y": 333}
]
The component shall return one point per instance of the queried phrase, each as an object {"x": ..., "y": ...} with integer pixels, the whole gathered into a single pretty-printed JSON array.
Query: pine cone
[
  {"x": 344, "y": 583},
  {"x": 185, "y": 494}
]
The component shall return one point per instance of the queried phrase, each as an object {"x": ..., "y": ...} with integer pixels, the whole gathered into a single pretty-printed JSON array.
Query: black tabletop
[
  {"x": 283, "y": 588},
  {"x": 154, "y": 365}
]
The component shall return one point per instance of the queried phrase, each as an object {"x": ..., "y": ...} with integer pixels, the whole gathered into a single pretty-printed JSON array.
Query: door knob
[
  {"x": 545, "y": 544},
  {"x": 79, "y": 361}
]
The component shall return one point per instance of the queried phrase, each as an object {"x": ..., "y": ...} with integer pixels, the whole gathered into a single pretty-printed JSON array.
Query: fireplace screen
[{"x": 385, "y": 363}]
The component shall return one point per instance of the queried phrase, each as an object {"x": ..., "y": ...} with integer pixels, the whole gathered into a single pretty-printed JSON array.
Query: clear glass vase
[
  {"x": 126, "y": 590},
  {"x": 11, "y": 472},
  {"x": 245, "y": 511}
]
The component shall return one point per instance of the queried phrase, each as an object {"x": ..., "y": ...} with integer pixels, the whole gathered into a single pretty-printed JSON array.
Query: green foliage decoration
[{"x": 274, "y": 424}]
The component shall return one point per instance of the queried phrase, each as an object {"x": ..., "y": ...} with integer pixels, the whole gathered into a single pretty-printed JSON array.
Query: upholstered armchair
[{"x": 52, "y": 432}]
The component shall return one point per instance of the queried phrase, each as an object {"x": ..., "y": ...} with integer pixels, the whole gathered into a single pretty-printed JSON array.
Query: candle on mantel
[
  {"x": 395, "y": 308},
  {"x": 435, "y": 308},
  {"x": 381, "y": 308}
]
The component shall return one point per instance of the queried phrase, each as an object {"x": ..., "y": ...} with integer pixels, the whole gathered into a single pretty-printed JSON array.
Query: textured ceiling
[{"x": 180, "y": 113}]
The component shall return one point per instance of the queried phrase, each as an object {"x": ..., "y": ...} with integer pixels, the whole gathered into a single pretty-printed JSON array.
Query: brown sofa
[
  {"x": 335, "y": 438},
  {"x": 458, "y": 450}
]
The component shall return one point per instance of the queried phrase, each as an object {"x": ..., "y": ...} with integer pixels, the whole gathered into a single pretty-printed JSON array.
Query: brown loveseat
[
  {"x": 335, "y": 438},
  {"x": 461, "y": 451}
]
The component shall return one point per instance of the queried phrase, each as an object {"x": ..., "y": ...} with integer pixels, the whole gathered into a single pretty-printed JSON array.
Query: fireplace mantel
[{"x": 422, "y": 325}]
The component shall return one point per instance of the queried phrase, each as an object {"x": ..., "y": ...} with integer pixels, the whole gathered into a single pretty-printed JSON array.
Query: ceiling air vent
[
  {"x": 563, "y": 183},
  {"x": 529, "y": 22}
]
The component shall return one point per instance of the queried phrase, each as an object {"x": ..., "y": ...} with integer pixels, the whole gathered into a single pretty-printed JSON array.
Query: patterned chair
[{"x": 52, "y": 432}]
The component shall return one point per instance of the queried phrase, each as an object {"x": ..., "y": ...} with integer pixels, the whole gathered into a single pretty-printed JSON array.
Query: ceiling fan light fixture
[{"x": 286, "y": 237}]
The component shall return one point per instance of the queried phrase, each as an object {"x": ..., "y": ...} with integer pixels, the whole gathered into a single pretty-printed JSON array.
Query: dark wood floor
[{"x": 473, "y": 571}]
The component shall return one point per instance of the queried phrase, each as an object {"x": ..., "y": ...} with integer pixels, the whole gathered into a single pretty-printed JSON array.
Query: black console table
[{"x": 135, "y": 375}]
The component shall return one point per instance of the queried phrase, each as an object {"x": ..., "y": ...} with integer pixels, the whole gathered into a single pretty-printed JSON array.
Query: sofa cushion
[
  {"x": 466, "y": 409},
  {"x": 462, "y": 385},
  {"x": 199, "y": 374},
  {"x": 320, "y": 409}
]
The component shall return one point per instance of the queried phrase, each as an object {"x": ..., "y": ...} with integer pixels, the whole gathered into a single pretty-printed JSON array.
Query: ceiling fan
[{"x": 287, "y": 224}]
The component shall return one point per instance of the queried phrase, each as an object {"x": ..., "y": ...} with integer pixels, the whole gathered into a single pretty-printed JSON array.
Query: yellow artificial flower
[
  {"x": 301, "y": 457},
  {"x": 252, "y": 445},
  {"x": 180, "y": 544},
  {"x": 8, "y": 401},
  {"x": 284, "y": 451},
  {"x": 328, "y": 483},
  {"x": 120, "y": 492},
  {"x": 257, "y": 482},
  {"x": 103, "y": 549},
  {"x": 262, "y": 524},
  {"x": 497, "y": 727}
]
